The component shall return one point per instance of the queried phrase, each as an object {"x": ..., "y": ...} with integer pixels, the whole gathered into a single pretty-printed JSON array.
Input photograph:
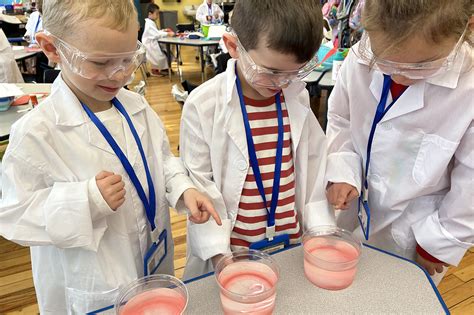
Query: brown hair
[
  {"x": 434, "y": 20},
  {"x": 287, "y": 26},
  {"x": 61, "y": 17}
]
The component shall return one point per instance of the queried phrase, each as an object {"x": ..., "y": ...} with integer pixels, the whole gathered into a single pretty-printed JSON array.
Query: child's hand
[
  {"x": 200, "y": 207},
  {"x": 111, "y": 186},
  {"x": 341, "y": 194},
  {"x": 430, "y": 266}
]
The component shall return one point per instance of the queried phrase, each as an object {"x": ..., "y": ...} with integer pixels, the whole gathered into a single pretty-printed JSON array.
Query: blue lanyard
[
  {"x": 149, "y": 204},
  {"x": 253, "y": 156},
  {"x": 36, "y": 28},
  {"x": 209, "y": 10},
  {"x": 379, "y": 114}
]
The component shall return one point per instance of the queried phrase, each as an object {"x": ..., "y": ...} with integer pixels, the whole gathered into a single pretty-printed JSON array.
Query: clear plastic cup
[
  {"x": 155, "y": 294},
  {"x": 247, "y": 280},
  {"x": 331, "y": 255}
]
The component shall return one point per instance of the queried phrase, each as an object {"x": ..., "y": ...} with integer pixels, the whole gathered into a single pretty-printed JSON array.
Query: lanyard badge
[
  {"x": 364, "y": 209},
  {"x": 157, "y": 252},
  {"x": 271, "y": 240}
]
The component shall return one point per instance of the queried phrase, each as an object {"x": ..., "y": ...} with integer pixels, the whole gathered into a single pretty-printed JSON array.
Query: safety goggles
[
  {"x": 94, "y": 66},
  {"x": 413, "y": 71},
  {"x": 266, "y": 78}
]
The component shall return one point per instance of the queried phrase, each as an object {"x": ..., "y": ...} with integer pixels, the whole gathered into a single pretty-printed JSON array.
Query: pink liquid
[
  {"x": 254, "y": 281},
  {"x": 322, "y": 260},
  {"x": 161, "y": 301}
]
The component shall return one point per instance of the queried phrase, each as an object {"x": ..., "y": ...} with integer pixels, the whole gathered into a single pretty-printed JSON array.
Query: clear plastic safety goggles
[
  {"x": 263, "y": 77},
  {"x": 413, "y": 71},
  {"x": 96, "y": 66}
]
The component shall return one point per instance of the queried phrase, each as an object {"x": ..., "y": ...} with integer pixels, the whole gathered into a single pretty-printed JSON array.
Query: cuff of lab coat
[
  {"x": 438, "y": 242},
  {"x": 176, "y": 187},
  {"x": 209, "y": 239},
  {"x": 317, "y": 214},
  {"x": 98, "y": 206},
  {"x": 344, "y": 168}
]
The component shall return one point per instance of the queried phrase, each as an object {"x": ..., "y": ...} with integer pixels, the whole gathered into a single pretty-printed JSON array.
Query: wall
[{"x": 178, "y": 6}]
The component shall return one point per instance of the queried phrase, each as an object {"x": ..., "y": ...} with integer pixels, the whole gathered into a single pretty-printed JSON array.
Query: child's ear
[
  {"x": 47, "y": 45},
  {"x": 230, "y": 42},
  {"x": 471, "y": 24}
]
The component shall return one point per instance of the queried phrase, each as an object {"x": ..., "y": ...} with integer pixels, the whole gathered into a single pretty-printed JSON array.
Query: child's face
[
  {"x": 266, "y": 70},
  {"x": 153, "y": 16},
  {"x": 275, "y": 61},
  {"x": 101, "y": 41},
  {"x": 426, "y": 59}
]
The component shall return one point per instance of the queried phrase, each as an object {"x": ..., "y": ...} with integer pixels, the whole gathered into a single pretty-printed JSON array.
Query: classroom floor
[{"x": 17, "y": 295}]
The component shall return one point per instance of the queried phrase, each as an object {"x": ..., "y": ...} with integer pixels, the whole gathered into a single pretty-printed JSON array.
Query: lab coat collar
[
  {"x": 68, "y": 109},
  {"x": 411, "y": 100},
  {"x": 297, "y": 112},
  {"x": 69, "y": 113}
]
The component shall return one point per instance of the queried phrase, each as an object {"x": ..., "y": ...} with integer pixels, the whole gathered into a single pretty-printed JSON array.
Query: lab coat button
[
  {"x": 387, "y": 126},
  {"x": 242, "y": 165}
]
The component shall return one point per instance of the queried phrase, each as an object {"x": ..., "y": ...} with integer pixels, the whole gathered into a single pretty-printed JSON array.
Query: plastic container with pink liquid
[
  {"x": 331, "y": 255},
  {"x": 155, "y": 294},
  {"x": 248, "y": 281}
]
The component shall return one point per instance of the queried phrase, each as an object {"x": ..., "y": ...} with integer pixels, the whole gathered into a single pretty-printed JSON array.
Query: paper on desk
[
  {"x": 8, "y": 89},
  {"x": 15, "y": 48},
  {"x": 9, "y": 19}
]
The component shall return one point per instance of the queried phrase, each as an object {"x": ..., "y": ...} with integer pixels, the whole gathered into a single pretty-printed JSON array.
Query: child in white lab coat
[
  {"x": 34, "y": 25},
  {"x": 155, "y": 53},
  {"x": 261, "y": 83},
  {"x": 413, "y": 161},
  {"x": 88, "y": 176},
  {"x": 209, "y": 13},
  {"x": 9, "y": 72}
]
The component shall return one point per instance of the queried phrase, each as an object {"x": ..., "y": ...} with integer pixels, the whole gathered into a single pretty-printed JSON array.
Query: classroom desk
[
  {"x": 200, "y": 43},
  {"x": 10, "y": 116},
  {"x": 384, "y": 284},
  {"x": 22, "y": 54}
]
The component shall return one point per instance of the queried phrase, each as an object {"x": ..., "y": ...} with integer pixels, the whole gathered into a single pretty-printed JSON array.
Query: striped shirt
[{"x": 251, "y": 222}]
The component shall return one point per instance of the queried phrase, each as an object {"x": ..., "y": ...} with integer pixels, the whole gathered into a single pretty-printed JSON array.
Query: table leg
[
  {"x": 203, "y": 63},
  {"x": 168, "y": 49}
]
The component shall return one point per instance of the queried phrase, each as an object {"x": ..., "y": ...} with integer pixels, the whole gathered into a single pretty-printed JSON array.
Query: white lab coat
[
  {"x": 81, "y": 250},
  {"x": 154, "y": 52},
  {"x": 214, "y": 150},
  {"x": 203, "y": 11},
  {"x": 32, "y": 26},
  {"x": 9, "y": 72},
  {"x": 421, "y": 168}
]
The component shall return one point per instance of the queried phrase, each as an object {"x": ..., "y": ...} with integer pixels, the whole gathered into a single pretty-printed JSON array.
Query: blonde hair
[
  {"x": 61, "y": 17},
  {"x": 434, "y": 20}
]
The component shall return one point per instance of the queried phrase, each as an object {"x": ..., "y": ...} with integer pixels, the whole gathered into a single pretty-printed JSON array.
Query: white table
[
  {"x": 22, "y": 54},
  {"x": 10, "y": 116},
  {"x": 384, "y": 284},
  {"x": 200, "y": 43}
]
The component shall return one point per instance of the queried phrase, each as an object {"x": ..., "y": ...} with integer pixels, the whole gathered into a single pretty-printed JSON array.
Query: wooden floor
[{"x": 17, "y": 295}]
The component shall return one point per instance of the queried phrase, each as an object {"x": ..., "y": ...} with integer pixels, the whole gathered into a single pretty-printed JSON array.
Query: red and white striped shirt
[{"x": 251, "y": 222}]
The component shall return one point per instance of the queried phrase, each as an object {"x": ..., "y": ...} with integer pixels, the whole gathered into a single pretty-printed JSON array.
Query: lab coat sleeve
[
  {"x": 449, "y": 232},
  {"x": 317, "y": 211},
  {"x": 209, "y": 239},
  {"x": 29, "y": 27},
  {"x": 344, "y": 164},
  {"x": 33, "y": 212},
  {"x": 201, "y": 13},
  {"x": 176, "y": 175}
]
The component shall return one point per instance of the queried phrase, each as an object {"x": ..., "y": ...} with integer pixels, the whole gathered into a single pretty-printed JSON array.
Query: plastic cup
[
  {"x": 247, "y": 280},
  {"x": 331, "y": 255},
  {"x": 155, "y": 294}
]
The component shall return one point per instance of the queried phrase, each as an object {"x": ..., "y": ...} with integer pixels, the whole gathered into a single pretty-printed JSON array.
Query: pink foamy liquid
[
  {"x": 254, "y": 280},
  {"x": 161, "y": 301},
  {"x": 322, "y": 262}
]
